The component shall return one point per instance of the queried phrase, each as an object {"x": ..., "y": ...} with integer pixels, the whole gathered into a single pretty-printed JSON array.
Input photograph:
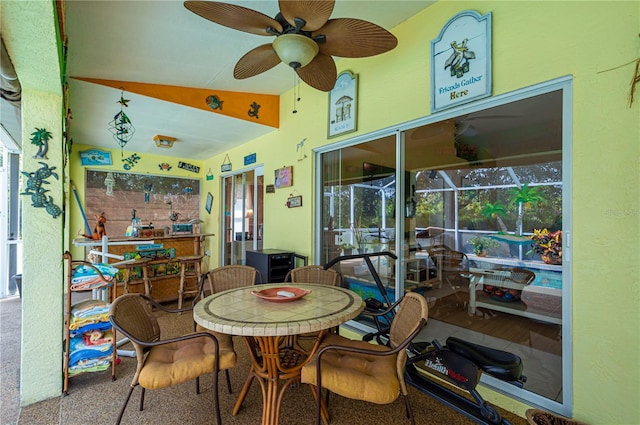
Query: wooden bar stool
[
  {"x": 132, "y": 275},
  {"x": 189, "y": 268}
]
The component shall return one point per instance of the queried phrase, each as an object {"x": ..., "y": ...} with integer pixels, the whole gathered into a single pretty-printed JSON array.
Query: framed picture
[
  {"x": 343, "y": 105},
  {"x": 209, "y": 203},
  {"x": 294, "y": 201},
  {"x": 95, "y": 157},
  {"x": 283, "y": 177}
]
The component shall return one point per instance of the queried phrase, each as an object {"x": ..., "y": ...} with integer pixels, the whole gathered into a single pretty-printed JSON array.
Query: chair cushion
[
  {"x": 353, "y": 375},
  {"x": 182, "y": 361}
]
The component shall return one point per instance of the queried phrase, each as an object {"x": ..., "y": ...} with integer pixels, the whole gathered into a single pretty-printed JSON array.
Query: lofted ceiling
[{"x": 163, "y": 43}]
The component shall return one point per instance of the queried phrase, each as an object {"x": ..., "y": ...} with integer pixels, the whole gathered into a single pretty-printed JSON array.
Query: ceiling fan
[
  {"x": 465, "y": 127},
  {"x": 306, "y": 39}
]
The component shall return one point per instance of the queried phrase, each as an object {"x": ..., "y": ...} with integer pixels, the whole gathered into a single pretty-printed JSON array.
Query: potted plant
[
  {"x": 347, "y": 248},
  {"x": 548, "y": 245},
  {"x": 481, "y": 244}
]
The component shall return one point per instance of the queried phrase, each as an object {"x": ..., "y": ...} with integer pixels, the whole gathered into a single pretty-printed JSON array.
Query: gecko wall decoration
[{"x": 253, "y": 110}]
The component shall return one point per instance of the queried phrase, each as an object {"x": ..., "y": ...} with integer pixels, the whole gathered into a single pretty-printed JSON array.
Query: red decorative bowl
[{"x": 281, "y": 294}]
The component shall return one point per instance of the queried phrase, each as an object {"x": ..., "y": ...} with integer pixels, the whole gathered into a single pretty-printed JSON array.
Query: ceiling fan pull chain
[{"x": 296, "y": 97}]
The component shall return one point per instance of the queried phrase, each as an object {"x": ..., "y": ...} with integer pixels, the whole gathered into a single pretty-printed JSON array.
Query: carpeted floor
[{"x": 96, "y": 399}]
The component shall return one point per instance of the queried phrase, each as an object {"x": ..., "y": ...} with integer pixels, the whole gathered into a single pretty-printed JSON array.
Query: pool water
[{"x": 547, "y": 278}]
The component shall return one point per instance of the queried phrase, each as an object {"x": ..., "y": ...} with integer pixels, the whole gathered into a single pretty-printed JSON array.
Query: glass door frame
[
  {"x": 257, "y": 211},
  {"x": 10, "y": 233},
  {"x": 563, "y": 84}
]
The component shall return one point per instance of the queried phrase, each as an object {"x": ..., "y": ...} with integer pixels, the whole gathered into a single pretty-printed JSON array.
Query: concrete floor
[{"x": 95, "y": 399}]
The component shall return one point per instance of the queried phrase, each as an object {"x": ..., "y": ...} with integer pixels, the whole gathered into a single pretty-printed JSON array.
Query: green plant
[
  {"x": 497, "y": 211},
  {"x": 347, "y": 246},
  {"x": 481, "y": 244},
  {"x": 524, "y": 198},
  {"x": 548, "y": 244},
  {"x": 358, "y": 233}
]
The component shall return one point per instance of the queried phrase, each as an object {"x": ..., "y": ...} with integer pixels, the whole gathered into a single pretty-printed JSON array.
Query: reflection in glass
[{"x": 476, "y": 188}]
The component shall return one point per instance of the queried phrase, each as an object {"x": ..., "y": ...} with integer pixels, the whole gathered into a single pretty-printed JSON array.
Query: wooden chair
[
  {"x": 313, "y": 274},
  {"x": 132, "y": 277},
  {"x": 189, "y": 269},
  {"x": 368, "y": 372},
  {"x": 166, "y": 362}
]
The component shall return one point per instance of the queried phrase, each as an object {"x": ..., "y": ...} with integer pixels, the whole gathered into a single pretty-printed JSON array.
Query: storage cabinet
[
  {"x": 90, "y": 340},
  {"x": 273, "y": 264}
]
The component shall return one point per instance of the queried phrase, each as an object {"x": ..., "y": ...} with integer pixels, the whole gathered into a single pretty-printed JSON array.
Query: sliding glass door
[
  {"x": 478, "y": 227},
  {"x": 242, "y": 218}
]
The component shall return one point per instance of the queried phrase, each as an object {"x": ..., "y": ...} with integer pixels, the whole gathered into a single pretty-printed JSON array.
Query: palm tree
[
  {"x": 496, "y": 211},
  {"x": 41, "y": 139},
  {"x": 524, "y": 197}
]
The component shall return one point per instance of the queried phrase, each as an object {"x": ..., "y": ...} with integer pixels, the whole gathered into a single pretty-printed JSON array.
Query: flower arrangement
[{"x": 548, "y": 245}]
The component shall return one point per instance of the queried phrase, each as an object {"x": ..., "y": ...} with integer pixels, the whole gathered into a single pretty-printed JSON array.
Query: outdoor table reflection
[{"x": 269, "y": 329}]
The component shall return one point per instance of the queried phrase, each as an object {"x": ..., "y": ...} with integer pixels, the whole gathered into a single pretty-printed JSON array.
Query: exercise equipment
[{"x": 458, "y": 362}]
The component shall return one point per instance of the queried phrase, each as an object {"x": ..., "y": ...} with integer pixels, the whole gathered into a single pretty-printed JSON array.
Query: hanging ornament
[
  {"x": 109, "y": 181},
  {"x": 148, "y": 188},
  {"x": 121, "y": 126}
]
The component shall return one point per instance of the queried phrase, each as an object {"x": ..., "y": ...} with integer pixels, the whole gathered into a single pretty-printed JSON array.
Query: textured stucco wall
[
  {"x": 594, "y": 42},
  {"x": 42, "y": 280},
  {"x": 28, "y": 30}
]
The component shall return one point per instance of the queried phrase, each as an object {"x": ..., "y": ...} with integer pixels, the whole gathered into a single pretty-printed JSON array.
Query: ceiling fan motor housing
[{"x": 296, "y": 50}]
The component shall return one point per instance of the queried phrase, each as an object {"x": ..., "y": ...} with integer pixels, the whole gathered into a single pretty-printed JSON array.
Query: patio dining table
[{"x": 269, "y": 327}]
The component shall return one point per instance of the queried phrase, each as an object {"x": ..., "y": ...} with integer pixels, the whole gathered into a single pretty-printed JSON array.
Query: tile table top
[{"x": 240, "y": 312}]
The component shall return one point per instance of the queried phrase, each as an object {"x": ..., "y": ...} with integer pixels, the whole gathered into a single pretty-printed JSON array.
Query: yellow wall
[{"x": 533, "y": 42}]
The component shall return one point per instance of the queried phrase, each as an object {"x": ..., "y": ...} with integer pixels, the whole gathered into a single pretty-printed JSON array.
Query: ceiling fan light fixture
[{"x": 295, "y": 50}]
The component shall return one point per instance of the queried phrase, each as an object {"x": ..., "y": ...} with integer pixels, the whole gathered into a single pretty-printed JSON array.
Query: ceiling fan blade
[
  {"x": 233, "y": 16},
  {"x": 315, "y": 13},
  {"x": 256, "y": 61},
  {"x": 354, "y": 38},
  {"x": 320, "y": 74}
]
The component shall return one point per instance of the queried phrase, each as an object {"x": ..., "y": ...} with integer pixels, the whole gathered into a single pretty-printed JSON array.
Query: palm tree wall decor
[{"x": 41, "y": 139}]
